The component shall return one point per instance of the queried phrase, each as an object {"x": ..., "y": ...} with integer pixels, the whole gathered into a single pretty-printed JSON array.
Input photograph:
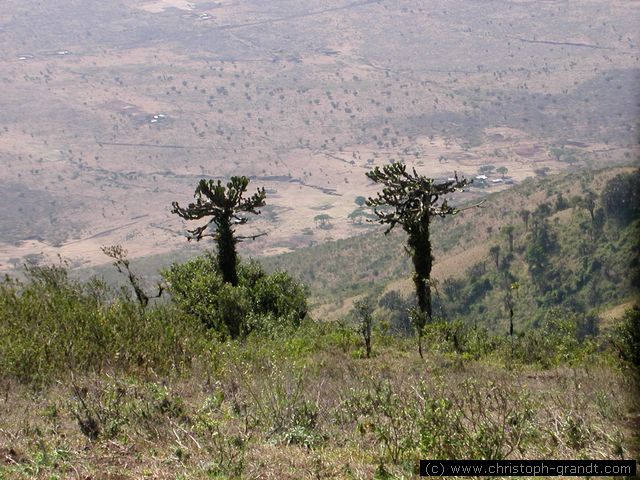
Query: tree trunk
[
  {"x": 227, "y": 255},
  {"x": 420, "y": 244},
  {"x": 511, "y": 321}
]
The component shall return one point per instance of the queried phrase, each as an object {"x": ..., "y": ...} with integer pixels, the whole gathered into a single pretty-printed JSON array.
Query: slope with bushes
[
  {"x": 113, "y": 391},
  {"x": 560, "y": 256},
  {"x": 94, "y": 384}
]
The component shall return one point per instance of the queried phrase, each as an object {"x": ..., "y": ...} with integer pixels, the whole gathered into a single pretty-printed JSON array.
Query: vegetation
[
  {"x": 123, "y": 265},
  {"x": 258, "y": 301},
  {"x": 626, "y": 338},
  {"x": 583, "y": 272},
  {"x": 565, "y": 258},
  {"x": 225, "y": 206},
  {"x": 621, "y": 198},
  {"x": 364, "y": 314},
  {"x": 414, "y": 201},
  {"x": 303, "y": 366},
  {"x": 100, "y": 387},
  {"x": 96, "y": 383},
  {"x": 52, "y": 326}
]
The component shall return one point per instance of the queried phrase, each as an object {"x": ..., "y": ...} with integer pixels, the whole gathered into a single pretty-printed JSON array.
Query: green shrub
[
  {"x": 488, "y": 421},
  {"x": 560, "y": 338},
  {"x": 626, "y": 337},
  {"x": 457, "y": 337},
  {"x": 260, "y": 302},
  {"x": 51, "y": 325},
  {"x": 474, "y": 419}
]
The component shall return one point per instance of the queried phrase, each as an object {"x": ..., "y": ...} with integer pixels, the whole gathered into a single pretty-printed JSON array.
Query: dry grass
[{"x": 267, "y": 414}]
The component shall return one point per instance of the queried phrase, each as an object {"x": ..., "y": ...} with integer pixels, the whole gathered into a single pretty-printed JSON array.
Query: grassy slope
[
  {"x": 127, "y": 394},
  {"x": 339, "y": 271},
  {"x": 307, "y": 406}
]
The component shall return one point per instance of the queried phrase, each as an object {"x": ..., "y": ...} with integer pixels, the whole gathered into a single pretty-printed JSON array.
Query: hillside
[
  {"x": 371, "y": 263},
  {"x": 338, "y": 272},
  {"x": 95, "y": 384}
]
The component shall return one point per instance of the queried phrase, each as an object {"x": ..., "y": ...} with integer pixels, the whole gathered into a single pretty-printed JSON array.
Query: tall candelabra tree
[
  {"x": 412, "y": 201},
  {"x": 225, "y": 205}
]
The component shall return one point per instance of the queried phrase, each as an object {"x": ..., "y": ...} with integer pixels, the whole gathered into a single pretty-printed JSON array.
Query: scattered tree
[
  {"x": 364, "y": 314},
  {"x": 510, "y": 303},
  {"x": 557, "y": 152},
  {"x": 589, "y": 203},
  {"x": 119, "y": 254},
  {"x": 621, "y": 198},
  {"x": 524, "y": 215},
  {"x": 414, "y": 201},
  {"x": 502, "y": 171},
  {"x": 494, "y": 251},
  {"x": 323, "y": 220},
  {"x": 225, "y": 205},
  {"x": 508, "y": 231}
]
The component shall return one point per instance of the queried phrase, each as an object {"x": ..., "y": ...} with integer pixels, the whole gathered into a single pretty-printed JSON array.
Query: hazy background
[{"x": 113, "y": 109}]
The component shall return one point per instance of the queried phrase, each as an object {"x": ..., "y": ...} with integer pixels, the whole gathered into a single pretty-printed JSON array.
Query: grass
[
  {"x": 110, "y": 391},
  {"x": 308, "y": 408},
  {"x": 94, "y": 386}
]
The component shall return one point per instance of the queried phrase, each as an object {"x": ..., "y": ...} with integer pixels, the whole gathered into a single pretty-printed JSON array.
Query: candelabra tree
[
  {"x": 226, "y": 206},
  {"x": 413, "y": 201}
]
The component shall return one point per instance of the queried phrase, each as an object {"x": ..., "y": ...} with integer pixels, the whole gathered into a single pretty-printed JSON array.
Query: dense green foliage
[
  {"x": 259, "y": 301},
  {"x": 50, "y": 326},
  {"x": 563, "y": 259}
]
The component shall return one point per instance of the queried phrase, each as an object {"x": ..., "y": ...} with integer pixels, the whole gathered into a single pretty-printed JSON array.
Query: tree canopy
[{"x": 225, "y": 205}]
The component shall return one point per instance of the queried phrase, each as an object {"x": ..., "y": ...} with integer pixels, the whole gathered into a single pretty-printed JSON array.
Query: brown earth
[{"x": 111, "y": 113}]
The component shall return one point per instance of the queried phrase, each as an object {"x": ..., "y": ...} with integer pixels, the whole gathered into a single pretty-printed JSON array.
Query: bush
[
  {"x": 457, "y": 337},
  {"x": 562, "y": 337},
  {"x": 474, "y": 419},
  {"x": 51, "y": 325},
  {"x": 626, "y": 337},
  {"x": 260, "y": 302}
]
